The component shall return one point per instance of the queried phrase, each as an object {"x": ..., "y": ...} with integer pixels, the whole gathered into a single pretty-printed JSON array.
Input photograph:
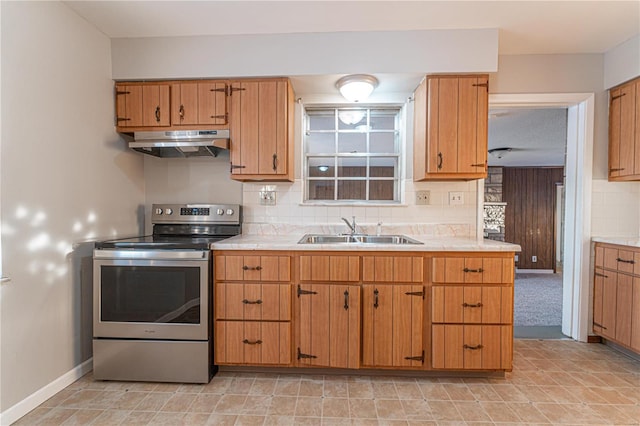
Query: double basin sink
[{"x": 356, "y": 239}]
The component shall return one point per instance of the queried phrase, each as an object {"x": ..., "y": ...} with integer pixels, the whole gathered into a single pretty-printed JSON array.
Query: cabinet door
[
  {"x": 155, "y": 105},
  {"x": 622, "y": 131},
  {"x": 329, "y": 268},
  {"x": 609, "y": 295},
  {"x": 392, "y": 269},
  {"x": 265, "y": 302},
  {"x": 184, "y": 108},
  {"x": 129, "y": 109},
  {"x": 624, "y": 304},
  {"x": 329, "y": 326},
  {"x": 472, "y": 347},
  {"x": 472, "y": 304},
  {"x": 260, "y": 128},
  {"x": 212, "y": 103},
  {"x": 392, "y": 325},
  {"x": 635, "y": 315},
  {"x": 252, "y": 343},
  {"x": 473, "y": 93}
]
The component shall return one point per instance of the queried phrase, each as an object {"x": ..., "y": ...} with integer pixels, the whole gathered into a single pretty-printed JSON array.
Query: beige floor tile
[
  {"x": 309, "y": 406},
  {"x": 417, "y": 409},
  {"x": 179, "y": 402},
  {"x": 329, "y": 421},
  {"x": 335, "y": 389},
  {"x": 240, "y": 386},
  {"x": 204, "y": 403},
  {"x": 308, "y": 421},
  {"x": 230, "y": 404},
  {"x": 33, "y": 416},
  {"x": 222, "y": 419},
  {"x": 500, "y": 412},
  {"x": 83, "y": 417},
  {"x": 250, "y": 420},
  {"x": 483, "y": 392},
  {"x": 444, "y": 411},
  {"x": 283, "y": 406},
  {"x": 335, "y": 407},
  {"x": 559, "y": 394},
  {"x": 613, "y": 415},
  {"x": 138, "y": 418},
  {"x": 459, "y": 392},
  {"x": 217, "y": 385},
  {"x": 287, "y": 387},
  {"x": 111, "y": 417},
  {"x": 612, "y": 396},
  {"x": 472, "y": 411},
  {"x": 81, "y": 398},
  {"x": 257, "y": 405},
  {"x": 153, "y": 401},
  {"x": 362, "y": 408},
  {"x": 528, "y": 412},
  {"x": 279, "y": 420},
  {"x": 510, "y": 393},
  {"x": 59, "y": 398},
  {"x": 386, "y": 390},
  {"x": 191, "y": 388},
  {"x": 168, "y": 419},
  {"x": 360, "y": 390},
  {"x": 434, "y": 391},
  {"x": 195, "y": 419},
  {"x": 390, "y": 409},
  {"x": 167, "y": 387},
  {"x": 408, "y": 390},
  {"x": 311, "y": 388},
  {"x": 128, "y": 400},
  {"x": 263, "y": 387}
]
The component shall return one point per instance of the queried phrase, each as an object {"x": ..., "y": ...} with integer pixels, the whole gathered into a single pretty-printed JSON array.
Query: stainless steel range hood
[{"x": 181, "y": 143}]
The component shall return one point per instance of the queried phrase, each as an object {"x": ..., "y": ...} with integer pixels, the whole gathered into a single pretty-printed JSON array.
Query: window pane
[
  {"x": 382, "y": 167},
  {"x": 322, "y": 120},
  {"x": 380, "y": 189},
  {"x": 321, "y": 189},
  {"x": 318, "y": 143},
  {"x": 321, "y": 167},
  {"x": 382, "y": 142},
  {"x": 352, "y": 142},
  {"x": 351, "y": 167},
  {"x": 352, "y": 190},
  {"x": 383, "y": 119},
  {"x": 351, "y": 118}
]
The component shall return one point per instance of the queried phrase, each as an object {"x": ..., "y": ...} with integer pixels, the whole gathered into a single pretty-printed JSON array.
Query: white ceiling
[{"x": 525, "y": 27}]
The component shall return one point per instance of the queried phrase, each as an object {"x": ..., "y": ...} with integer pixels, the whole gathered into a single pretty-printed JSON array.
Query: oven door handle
[{"x": 151, "y": 254}]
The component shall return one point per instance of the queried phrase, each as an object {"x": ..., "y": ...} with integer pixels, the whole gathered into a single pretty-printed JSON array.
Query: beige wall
[{"x": 65, "y": 179}]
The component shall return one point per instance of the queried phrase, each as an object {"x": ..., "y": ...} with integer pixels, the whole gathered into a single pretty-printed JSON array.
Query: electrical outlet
[
  {"x": 268, "y": 198},
  {"x": 423, "y": 198},
  {"x": 456, "y": 198},
  {"x": 534, "y": 259}
]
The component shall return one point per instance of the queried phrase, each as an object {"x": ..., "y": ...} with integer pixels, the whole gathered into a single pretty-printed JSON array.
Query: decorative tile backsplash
[{"x": 437, "y": 218}]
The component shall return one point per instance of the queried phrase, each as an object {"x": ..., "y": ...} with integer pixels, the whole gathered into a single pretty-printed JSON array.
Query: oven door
[{"x": 151, "y": 294}]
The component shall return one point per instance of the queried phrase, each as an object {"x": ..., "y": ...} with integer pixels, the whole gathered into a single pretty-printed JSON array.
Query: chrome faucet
[{"x": 352, "y": 225}]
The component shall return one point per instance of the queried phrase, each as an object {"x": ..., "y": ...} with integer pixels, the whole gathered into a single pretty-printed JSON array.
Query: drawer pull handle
[
  {"x": 626, "y": 261},
  {"x": 375, "y": 298},
  {"x": 473, "y": 348},
  {"x": 252, "y": 268},
  {"x": 473, "y": 270},
  {"x": 472, "y": 305},
  {"x": 254, "y": 342},
  {"x": 598, "y": 274},
  {"x": 252, "y": 302},
  {"x": 346, "y": 300}
]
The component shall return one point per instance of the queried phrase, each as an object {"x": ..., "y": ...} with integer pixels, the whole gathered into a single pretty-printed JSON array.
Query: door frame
[{"x": 576, "y": 277}]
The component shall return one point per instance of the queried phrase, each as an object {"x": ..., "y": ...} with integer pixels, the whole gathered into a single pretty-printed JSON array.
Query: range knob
[
  {"x": 220, "y": 212},
  {"x": 230, "y": 212},
  {"x": 158, "y": 211},
  {"x": 169, "y": 211}
]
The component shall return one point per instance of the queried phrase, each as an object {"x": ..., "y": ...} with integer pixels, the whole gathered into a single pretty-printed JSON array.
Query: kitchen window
[{"x": 352, "y": 155}]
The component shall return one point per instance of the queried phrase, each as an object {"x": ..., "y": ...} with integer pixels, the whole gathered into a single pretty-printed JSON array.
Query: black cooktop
[{"x": 161, "y": 242}]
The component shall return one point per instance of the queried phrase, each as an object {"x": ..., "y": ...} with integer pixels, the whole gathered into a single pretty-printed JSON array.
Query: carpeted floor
[{"x": 538, "y": 300}]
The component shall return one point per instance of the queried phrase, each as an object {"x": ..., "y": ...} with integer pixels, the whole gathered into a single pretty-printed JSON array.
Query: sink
[{"x": 356, "y": 239}]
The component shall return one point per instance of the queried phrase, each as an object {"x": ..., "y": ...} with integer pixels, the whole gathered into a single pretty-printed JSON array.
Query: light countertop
[
  {"x": 430, "y": 243},
  {"x": 621, "y": 241}
]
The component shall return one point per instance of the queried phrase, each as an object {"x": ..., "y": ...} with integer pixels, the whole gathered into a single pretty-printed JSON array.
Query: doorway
[{"x": 577, "y": 215}]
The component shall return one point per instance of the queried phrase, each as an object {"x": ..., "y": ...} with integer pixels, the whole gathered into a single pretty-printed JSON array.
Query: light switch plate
[
  {"x": 423, "y": 197},
  {"x": 267, "y": 197},
  {"x": 456, "y": 198}
]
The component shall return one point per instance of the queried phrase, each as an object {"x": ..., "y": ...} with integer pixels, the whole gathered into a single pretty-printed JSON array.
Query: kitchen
[{"x": 82, "y": 184}]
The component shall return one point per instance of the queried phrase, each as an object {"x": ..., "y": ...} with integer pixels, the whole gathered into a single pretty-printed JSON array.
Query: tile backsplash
[{"x": 289, "y": 208}]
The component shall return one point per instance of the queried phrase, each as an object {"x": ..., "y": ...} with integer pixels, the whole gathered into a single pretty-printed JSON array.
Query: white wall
[
  {"x": 622, "y": 63},
  {"x": 65, "y": 179}
]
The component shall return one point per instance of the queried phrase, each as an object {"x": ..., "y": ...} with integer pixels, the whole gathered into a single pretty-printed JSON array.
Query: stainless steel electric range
[{"x": 153, "y": 297}]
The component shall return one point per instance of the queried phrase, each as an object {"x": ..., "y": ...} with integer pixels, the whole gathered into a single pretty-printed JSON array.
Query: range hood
[{"x": 181, "y": 143}]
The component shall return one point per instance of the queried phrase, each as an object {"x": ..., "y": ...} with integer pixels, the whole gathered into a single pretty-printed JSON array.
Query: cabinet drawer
[
  {"x": 330, "y": 268},
  {"x": 252, "y": 343},
  {"x": 253, "y": 268},
  {"x": 460, "y": 270},
  {"x": 473, "y": 347},
  {"x": 472, "y": 304},
  {"x": 621, "y": 260},
  {"x": 392, "y": 269},
  {"x": 266, "y": 302}
]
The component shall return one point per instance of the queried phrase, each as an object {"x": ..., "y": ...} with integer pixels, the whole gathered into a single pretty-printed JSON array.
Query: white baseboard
[{"x": 15, "y": 412}]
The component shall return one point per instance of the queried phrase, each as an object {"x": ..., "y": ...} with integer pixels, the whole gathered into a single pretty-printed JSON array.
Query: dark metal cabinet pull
[
  {"x": 415, "y": 293},
  {"x": 275, "y": 162},
  {"x": 301, "y": 291},
  {"x": 415, "y": 358},
  {"x": 616, "y": 170},
  {"x": 181, "y": 112},
  {"x": 599, "y": 325},
  {"x": 613, "y": 98},
  {"x": 598, "y": 274},
  {"x": 158, "y": 114},
  {"x": 307, "y": 356},
  {"x": 375, "y": 298},
  {"x": 626, "y": 261},
  {"x": 473, "y": 348},
  {"x": 472, "y": 305},
  {"x": 254, "y": 342},
  {"x": 346, "y": 300},
  {"x": 439, "y": 160},
  {"x": 252, "y": 302},
  {"x": 473, "y": 270},
  {"x": 252, "y": 268},
  {"x": 478, "y": 165}
]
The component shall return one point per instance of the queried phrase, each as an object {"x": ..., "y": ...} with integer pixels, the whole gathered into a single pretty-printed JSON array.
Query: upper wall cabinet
[
  {"x": 624, "y": 131},
  {"x": 171, "y": 105},
  {"x": 450, "y": 127},
  {"x": 141, "y": 105},
  {"x": 261, "y": 129}
]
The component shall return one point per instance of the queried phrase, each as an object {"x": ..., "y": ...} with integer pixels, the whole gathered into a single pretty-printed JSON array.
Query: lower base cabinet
[
  {"x": 472, "y": 347},
  {"x": 255, "y": 343}
]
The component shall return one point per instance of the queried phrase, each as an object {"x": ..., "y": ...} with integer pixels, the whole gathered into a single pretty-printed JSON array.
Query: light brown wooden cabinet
[
  {"x": 252, "y": 309},
  {"x": 616, "y": 294},
  {"x": 261, "y": 129},
  {"x": 199, "y": 103},
  {"x": 451, "y": 115},
  {"x": 140, "y": 105},
  {"x": 472, "y": 312},
  {"x": 624, "y": 131}
]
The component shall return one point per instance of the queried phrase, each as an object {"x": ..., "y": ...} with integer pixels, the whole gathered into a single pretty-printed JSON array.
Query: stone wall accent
[
  {"x": 493, "y": 185},
  {"x": 494, "y": 221}
]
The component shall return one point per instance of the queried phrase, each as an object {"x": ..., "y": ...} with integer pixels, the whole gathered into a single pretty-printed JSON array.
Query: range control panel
[{"x": 196, "y": 213}]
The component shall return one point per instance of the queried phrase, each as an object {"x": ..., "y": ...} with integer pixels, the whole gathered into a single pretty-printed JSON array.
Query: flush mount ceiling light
[
  {"x": 351, "y": 116},
  {"x": 357, "y": 87},
  {"x": 323, "y": 168},
  {"x": 499, "y": 152}
]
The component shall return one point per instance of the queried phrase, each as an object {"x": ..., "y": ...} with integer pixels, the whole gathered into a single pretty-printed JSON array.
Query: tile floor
[{"x": 553, "y": 382}]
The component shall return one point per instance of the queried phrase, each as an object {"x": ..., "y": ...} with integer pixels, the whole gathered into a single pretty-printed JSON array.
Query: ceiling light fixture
[
  {"x": 351, "y": 117},
  {"x": 323, "y": 168},
  {"x": 499, "y": 152},
  {"x": 357, "y": 87}
]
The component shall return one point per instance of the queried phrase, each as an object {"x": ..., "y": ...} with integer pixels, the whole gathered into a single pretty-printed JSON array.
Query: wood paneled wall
[{"x": 530, "y": 194}]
